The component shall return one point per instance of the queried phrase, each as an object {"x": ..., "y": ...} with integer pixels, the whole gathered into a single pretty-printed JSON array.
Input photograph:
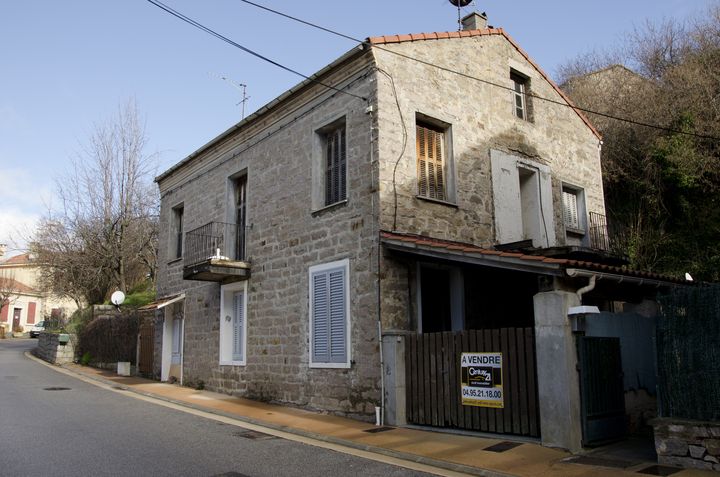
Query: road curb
[{"x": 405, "y": 456}]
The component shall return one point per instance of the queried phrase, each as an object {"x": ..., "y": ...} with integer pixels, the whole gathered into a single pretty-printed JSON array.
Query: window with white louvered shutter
[
  {"x": 238, "y": 324},
  {"x": 329, "y": 315},
  {"x": 570, "y": 209}
]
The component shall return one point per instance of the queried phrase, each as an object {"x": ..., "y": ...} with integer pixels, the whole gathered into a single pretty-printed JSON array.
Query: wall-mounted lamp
[{"x": 577, "y": 316}]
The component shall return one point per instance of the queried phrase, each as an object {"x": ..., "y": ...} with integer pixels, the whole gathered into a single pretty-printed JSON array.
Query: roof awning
[{"x": 163, "y": 302}]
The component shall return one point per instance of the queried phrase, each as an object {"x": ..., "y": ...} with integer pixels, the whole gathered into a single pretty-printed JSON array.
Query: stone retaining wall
[
  {"x": 690, "y": 444},
  {"x": 50, "y": 350}
]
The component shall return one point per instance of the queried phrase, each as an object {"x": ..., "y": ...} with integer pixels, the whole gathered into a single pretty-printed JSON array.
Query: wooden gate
[
  {"x": 147, "y": 347},
  {"x": 601, "y": 389},
  {"x": 432, "y": 368}
]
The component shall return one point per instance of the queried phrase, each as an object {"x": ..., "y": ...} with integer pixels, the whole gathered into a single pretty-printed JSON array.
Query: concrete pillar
[
  {"x": 558, "y": 383},
  {"x": 393, "y": 346}
]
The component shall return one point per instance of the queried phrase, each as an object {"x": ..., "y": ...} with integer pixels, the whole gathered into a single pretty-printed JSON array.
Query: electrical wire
[
  {"x": 465, "y": 75},
  {"x": 217, "y": 35}
]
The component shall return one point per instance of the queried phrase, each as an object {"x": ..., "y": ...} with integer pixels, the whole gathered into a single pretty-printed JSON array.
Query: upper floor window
[
  {"x": 521, "y": 104},
  {"x": 240, "y": 199},
  {"x": 573, "y": 201},
  {"x": 335, "y": 164},
  {"x": 176, "y": 243},
  {"x": 432, "y": 161}
]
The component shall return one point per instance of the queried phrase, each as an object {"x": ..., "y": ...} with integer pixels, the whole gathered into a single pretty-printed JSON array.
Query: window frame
[
  {"x": 326, "y": 268},
  {"x": 580, "y": 209},
  {"x": 177, "y": 239},
  {"x": 323, "y": 197},
  {"x": 226, "y": 355},
  {"x": 447, "y": 162},
  {"x": 520, "y": 91}
]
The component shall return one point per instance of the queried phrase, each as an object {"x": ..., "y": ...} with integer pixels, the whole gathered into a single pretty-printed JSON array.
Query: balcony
[{"x": 215, "y": 252}]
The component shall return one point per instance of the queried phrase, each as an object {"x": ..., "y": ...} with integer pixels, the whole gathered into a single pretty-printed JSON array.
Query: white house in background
[{"x": 26, "y": 303}]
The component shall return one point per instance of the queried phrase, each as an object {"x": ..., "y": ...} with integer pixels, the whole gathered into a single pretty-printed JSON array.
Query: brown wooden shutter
[{"x": 430, "y": 163}]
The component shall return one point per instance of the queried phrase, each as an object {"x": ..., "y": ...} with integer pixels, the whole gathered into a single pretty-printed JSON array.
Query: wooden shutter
[
  {"x": 320, "y": 318},
  {"x": 238, "y": 325},
  {"x": 430, "y": 162},
  {"x": 336, "y": 166},
  {"x": 337, "y": 316},
  {"x": 31, "y": 313},
  {"x": 176, "y": 338},
  {"x": 329, "y": 316},
  {"x": 570, "y": 210}
]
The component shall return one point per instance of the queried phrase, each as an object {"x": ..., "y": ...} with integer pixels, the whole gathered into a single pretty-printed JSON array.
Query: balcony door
[{"x": 240, "y": 186}]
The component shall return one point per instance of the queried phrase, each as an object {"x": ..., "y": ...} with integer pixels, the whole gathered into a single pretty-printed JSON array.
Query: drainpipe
[
  {"x": 589, "y": 287},
  {"x": 379, "y": 411}
]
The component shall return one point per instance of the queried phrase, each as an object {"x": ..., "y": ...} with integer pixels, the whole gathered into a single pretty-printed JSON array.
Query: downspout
[
  {"x": 379, "y": 411},
  {"x": 589, "y": 287}
]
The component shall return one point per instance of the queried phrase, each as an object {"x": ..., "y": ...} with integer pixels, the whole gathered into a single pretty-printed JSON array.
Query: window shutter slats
[
  {"x": 570, "y": 210},
  {"x": 337, "y": 316},
  {"x": 238, "y": 326},
  {"x": 336, "y": 166},
  {"x": 431, "y": 163},
  {"x": 321, "y": 338}
]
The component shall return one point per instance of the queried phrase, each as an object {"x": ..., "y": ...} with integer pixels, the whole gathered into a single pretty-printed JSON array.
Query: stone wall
[
  {"x": 50, "y": 350},
  {"x": 689, "y": 444},
  {"x": 287, "y": 234}
]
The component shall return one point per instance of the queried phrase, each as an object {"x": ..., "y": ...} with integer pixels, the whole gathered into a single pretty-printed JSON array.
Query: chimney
[{"x": 475, "y": 21}]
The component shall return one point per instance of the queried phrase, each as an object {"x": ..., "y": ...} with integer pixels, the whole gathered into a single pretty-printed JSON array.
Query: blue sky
[{"x": 68, "y": 65}]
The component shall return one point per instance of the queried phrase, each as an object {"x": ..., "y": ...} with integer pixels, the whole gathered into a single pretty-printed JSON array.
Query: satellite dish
[
  {"x": 461, "y": 3},
  {"x": 117, "y": 298}
]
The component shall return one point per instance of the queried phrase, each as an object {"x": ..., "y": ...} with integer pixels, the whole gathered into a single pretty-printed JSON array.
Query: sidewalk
[{"x": 452, "y": 452}]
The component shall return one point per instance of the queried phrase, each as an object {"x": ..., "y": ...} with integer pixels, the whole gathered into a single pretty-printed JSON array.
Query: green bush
[{"x": 86, "y": 358}]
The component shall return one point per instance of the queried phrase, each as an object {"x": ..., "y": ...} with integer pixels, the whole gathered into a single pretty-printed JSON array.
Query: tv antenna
[
  {"x": 460, "y": 4},
  {"x": 240, "y": 86}
]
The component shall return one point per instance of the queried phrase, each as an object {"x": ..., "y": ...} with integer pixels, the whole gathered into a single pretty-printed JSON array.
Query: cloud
[{"x": 16, "y": 227}]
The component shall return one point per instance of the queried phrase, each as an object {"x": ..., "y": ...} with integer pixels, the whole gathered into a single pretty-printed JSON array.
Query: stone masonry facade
[
  {"x": 689, "y": 444},
  {"x": 288, "y": 232}
]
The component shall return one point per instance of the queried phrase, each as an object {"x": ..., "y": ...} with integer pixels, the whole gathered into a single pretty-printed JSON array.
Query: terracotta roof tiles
[{"x": 564, "y": 262}]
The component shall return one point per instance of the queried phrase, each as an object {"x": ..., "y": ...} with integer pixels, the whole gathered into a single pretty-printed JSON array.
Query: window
[
  {"x": 176, "y": 242},
  {"x": 335, "y": 165},
  {"x": 520, "y": 99},
  {"x": 233, "y": 324},
  {"x": 329, "y": 315},
  {"x": 240, "y": 199},
  {"x": 432, "y": 161},
  {"x": 573, "y": 202},
  {"x": 522, "y": 200}
]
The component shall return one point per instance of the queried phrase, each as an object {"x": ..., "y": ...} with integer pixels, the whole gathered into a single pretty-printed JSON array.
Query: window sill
[
  {"x": 574, "y": 231},
  {"x": 327, "y": 208},
  {"x": 232, "y": 363},
  {"x": 330, "y": 365},
  {"x": 437, "y": 201},
  {"x": 174, "y": 260}
]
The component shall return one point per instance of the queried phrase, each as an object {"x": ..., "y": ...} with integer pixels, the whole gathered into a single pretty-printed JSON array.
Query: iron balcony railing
[
  {"x": 599, "y": 235},
  {"x": 214, "y": 240}
]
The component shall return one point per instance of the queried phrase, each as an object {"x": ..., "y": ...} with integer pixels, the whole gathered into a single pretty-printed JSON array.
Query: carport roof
[{"x": 468, "y": 253}]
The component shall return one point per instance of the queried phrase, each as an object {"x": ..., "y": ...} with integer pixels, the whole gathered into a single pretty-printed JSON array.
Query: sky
[{"x": 66, "y": 66}]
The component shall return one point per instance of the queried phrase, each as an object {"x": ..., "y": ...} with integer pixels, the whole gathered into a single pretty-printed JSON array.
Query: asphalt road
[{"x": 52, "y": 424}]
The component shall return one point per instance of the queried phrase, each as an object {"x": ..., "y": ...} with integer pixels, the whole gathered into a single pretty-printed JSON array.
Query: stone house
[{"x": 428, "y": 186}]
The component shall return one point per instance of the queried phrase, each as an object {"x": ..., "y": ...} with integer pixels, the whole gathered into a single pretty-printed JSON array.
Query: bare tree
[
  {"x": 104, "y": 237},
  {"x": 8, "y": 289}
]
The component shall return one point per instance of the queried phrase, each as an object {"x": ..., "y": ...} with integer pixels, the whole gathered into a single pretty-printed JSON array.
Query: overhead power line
[
  {"x": 481, "y": 80},
  {"x": 217, "y": 35}
]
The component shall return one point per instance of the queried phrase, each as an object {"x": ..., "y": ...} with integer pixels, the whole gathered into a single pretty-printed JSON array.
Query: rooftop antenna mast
[
  {"x": 460, "y": 4},
  {"x": 240, "y": 86}
]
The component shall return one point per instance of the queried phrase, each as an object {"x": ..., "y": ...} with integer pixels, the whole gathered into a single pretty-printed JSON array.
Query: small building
[
  {"x": 25, "y": 303},
  {"x": 421, "y": 197}
]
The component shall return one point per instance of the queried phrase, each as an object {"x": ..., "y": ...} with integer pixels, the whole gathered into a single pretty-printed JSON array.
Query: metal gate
[
  {"x": 147, "y": 347},
  {"x": 602, "y": 396},
  {"x": 432, "y": 370}
]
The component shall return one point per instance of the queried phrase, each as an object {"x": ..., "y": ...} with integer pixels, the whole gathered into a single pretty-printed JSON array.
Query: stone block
[
  {"x": 697, "y": 452},
  {"x": 709, "y": 458},
  {"x": 712, "y": 446},
  {"x": 667, "y": 447}
]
